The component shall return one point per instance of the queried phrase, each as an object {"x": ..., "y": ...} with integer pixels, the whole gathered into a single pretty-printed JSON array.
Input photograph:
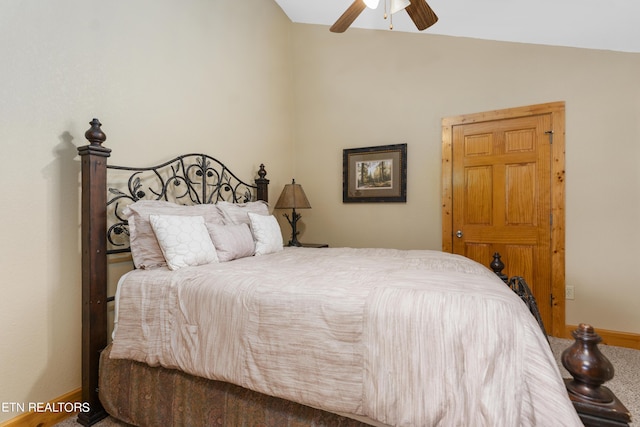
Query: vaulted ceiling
[{"x": 591, "y": 24}]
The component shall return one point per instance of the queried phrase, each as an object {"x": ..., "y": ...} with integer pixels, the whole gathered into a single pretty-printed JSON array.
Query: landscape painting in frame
[{"x": 375, "y": 174}]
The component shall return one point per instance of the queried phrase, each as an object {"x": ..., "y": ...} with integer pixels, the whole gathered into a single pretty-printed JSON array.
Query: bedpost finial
[
  {"x": 94, "y": 134},
  {"x": 497, "y": 266},
  {"x": 262, "y": 183},
  {"x": 262, "y": 172}
]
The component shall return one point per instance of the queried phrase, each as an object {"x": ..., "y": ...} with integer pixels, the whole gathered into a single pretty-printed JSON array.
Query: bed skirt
[{"x": 141, "y": 395}]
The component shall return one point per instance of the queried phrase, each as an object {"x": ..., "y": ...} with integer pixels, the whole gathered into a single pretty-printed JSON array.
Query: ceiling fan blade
[
  {"x": 421, "y": 14},
  {"x": 348, "y": 17}
]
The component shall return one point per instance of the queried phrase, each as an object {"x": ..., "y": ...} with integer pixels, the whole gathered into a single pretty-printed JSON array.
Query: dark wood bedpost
[
  {"x": 595, "y": 403},
  {"x": 94, "y": 267},
  {"x": 262, "y": 192}
]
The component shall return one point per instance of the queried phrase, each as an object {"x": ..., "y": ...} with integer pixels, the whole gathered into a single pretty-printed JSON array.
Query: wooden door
[{"x": 502, "y": 196}]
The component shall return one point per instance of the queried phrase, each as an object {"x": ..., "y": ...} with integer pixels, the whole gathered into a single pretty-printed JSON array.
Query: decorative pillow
[
  {"x": 144, "y": 246},
  {"x": 236, "y": 213},
  {"x": 184, "y": 240},
  {"x": 266, "y": 233},
  {"x": 231, "y": 241}
]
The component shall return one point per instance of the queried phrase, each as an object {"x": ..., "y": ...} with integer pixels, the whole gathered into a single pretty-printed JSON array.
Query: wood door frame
[{"x": 557, "y": 112}]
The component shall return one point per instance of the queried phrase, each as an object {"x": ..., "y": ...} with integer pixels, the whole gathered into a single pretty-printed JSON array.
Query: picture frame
[{"x": 375, "y": 174}]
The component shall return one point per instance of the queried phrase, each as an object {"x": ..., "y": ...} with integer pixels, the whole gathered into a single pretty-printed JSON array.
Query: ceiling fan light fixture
[
  {"x": 398, "y": 5},
  {"x": 371, "y": 4},
  {"x": 418, "y": 10}
]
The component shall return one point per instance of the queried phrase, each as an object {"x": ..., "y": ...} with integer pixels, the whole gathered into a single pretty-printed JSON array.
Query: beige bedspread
[{"x": 407, "y": 338}]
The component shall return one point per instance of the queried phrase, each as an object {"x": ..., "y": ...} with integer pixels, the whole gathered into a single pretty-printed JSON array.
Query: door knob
[{"x": 459, "y": 234}]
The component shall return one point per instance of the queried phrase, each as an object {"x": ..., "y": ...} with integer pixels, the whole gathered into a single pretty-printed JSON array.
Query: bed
[{"x": 208, "y": 332}]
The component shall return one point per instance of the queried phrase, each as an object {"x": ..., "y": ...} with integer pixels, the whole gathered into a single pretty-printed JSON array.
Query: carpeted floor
[
  {"x": 625, "y": 384},
  {"x": 107, "y": 422}
]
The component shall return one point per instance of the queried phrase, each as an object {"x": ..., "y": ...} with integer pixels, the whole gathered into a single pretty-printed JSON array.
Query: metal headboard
[{"x": 188, "y": 179}]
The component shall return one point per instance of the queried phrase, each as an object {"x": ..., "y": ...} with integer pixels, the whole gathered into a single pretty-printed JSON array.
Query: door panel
[
  {"x": 478, "y": 251},
  {"x": 478, "y": 195},
  {"x": 521, "y": 198}
]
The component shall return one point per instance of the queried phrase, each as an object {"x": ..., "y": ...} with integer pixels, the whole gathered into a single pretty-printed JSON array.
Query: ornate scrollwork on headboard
[{"x": 189, "y": 179}]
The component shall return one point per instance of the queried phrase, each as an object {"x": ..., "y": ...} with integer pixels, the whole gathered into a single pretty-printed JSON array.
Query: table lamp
[{"x": 293, "y": 197}]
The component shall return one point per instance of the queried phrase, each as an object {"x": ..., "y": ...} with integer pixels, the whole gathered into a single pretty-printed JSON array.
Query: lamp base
[{"x": 294, "y": 232}]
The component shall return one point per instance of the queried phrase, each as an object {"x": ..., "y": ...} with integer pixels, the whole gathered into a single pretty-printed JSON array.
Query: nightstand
[{"x": 315, "y": 245}]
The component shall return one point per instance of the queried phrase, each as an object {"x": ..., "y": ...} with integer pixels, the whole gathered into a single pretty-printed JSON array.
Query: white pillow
[
  {"x": 266, "y": 233},
  {"x": 231, "y": 241},
  {"x": 184, "y": 240},
  {"x": 145, "y": 251},
  {"x": 236, "y": 213}
]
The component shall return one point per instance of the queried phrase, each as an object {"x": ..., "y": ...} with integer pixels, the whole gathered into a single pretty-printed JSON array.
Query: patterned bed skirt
[{"x": 141, "y": 395}]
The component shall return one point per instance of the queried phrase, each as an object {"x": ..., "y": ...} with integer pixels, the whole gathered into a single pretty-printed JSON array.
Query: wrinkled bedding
[{"x": 406, "y": 338}]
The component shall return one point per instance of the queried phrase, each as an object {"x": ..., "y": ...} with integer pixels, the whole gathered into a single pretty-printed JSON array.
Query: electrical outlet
[{"x": 569, "y": 292}]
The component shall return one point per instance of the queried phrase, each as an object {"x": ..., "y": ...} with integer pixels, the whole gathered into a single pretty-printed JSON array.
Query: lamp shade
[{"x": 293, "y": 197}]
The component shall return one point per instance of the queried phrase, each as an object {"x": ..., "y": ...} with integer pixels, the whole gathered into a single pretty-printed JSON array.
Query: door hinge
[{"x": 550, "y": 133}]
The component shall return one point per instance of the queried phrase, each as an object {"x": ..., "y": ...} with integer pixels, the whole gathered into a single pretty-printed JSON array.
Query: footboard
[{"x": 596, "y": 405}]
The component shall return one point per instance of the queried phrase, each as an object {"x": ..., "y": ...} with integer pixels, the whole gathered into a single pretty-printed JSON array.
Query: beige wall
[
  {"x": 164, "y": 77},
  {"x": 223, "y": 77},
  {"x": 366, "y": 88}
]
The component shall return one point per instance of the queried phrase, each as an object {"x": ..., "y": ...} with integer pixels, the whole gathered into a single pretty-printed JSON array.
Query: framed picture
[{"x": 375, "y": 174}]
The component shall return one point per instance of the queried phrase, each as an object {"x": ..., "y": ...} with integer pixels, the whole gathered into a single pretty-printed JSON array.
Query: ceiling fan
[{"x": 419, "y": 12}]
